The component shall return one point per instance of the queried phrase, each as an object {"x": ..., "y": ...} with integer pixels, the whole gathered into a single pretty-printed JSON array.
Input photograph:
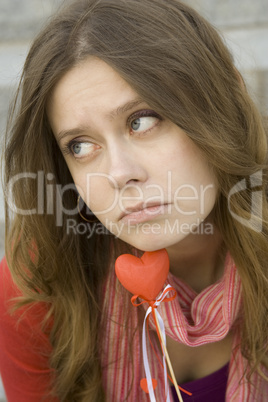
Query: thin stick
[{"x": 168, "y": 359}]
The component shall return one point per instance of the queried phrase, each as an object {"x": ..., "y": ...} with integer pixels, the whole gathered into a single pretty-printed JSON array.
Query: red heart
[
  {"x": 143, "y": 276},
  {"x": 144, "y": 385}
]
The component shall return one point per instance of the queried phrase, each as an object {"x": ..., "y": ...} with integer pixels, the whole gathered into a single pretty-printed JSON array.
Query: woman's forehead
[{"x": 88, "y": 89}]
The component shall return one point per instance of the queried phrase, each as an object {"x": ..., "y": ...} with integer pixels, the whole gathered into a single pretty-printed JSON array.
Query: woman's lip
[{"x": 144, "y": 214}]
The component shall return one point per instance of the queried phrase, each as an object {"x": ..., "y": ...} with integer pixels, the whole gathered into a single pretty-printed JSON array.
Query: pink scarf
[{"x": 192, "y": 319}]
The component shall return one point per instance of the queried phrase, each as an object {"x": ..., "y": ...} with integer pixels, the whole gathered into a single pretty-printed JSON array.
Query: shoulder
[
  {"x": 8, "y": 288},
  {"x": 24, "y": 345},
  {"x": 25, "y": 349},
  {"x": 24, "y": 322},
  {"x": 9, "y": 292}
]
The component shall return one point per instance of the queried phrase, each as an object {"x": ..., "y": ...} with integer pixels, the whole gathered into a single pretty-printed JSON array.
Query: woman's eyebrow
[
  {"x": 126, "y": 107},
  {"x": 72, "y": 132},
  {"x": 114, "y": 113}
]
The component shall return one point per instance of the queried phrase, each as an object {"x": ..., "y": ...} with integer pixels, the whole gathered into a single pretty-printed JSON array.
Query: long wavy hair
[{"x": 178, "y": 63}]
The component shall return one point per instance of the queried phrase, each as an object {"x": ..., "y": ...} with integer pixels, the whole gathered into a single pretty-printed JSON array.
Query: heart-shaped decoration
[
  {"x": 143, "y": 276},
  {"x": 144, "y": 384}
]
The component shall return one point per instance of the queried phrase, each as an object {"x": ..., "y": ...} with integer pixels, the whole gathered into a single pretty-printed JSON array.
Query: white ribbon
[{"x": 144, "y": 346}]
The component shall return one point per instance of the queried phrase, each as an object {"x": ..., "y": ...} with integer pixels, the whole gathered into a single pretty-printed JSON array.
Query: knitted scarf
[{"x": 192, "y": 319}]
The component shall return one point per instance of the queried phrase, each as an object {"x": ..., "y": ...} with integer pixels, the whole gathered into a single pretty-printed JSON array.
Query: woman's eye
[
  {"x": 81, "y": 149},
  {"x": 143, "y": 124}
]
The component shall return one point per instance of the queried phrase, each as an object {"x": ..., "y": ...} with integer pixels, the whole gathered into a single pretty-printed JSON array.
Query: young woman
[{"x": 133, "y": 131}]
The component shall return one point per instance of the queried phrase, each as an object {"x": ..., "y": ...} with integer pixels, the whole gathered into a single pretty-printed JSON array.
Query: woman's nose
[{"x": 125, "y": 166}]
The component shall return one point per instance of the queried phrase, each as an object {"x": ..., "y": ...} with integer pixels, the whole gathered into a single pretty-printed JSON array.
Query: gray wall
[
  {"x": 244, "y": 24},
  {"x": 20, "y": 20}
]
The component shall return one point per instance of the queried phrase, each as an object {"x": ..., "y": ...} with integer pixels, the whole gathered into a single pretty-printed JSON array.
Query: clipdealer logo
[
  {"x": 255, "y": 220},
  {"x": 147, "y": 228},
  {"x": 50, "y": 197}
]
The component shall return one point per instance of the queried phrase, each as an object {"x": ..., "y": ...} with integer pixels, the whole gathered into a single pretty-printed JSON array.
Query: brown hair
[{"x": 178, "y": 63}]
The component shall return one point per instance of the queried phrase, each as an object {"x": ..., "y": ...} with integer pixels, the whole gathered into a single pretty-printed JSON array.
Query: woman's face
[{"x": 139, "y": 173}]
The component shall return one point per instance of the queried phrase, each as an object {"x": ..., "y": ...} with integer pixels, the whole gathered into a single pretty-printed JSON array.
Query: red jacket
[{"x": 24, "y": 348}]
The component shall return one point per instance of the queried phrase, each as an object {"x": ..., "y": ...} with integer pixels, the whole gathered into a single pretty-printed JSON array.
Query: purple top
[{"x": 209, "y": 388}]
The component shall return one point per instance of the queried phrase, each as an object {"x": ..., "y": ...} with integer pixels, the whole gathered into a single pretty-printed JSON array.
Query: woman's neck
[{"x": 198, "y": 259}]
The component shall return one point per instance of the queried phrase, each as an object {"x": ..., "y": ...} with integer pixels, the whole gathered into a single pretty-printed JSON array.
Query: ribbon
[{"x": 153, "y": 309}]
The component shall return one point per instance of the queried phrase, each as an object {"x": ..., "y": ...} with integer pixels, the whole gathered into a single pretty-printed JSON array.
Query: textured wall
[
  {"x": 244, "y": 24},
  {"x": 20, "y": 20}
]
